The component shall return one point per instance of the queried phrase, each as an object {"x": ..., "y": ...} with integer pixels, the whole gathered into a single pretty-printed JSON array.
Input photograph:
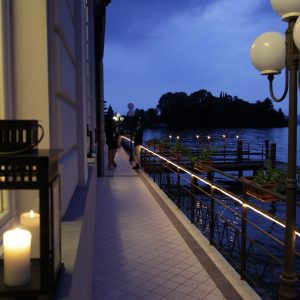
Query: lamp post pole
[
  {"x": 270, "y": 53},
  {"x": 288, "y": 278}
]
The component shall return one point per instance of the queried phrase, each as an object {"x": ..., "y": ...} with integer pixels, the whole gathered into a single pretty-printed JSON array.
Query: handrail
[{"x": 224, "y": 191}]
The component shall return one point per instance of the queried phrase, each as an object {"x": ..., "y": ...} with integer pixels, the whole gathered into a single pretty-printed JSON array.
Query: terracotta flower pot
[
  {"x": 202, "y": 168},
  {"x": 258, "y": 194}
]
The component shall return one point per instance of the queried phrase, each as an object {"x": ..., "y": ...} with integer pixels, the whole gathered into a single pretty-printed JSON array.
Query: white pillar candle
[
  {"x": 31, "y": 222},
  {"x": 16, "y": 245}
]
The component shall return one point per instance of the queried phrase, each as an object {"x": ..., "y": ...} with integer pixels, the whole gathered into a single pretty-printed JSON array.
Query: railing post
[
  {"x": 273, "y": 154},
  {"x": 267, "y": 147},
  {"x": 224, "y": 150},
  {"x": 168, "y": 178},
  {"x": 240, "y": 155},
  {"x": 244, "y": 240},
  {"x": 142, "y": 158},
  {"x": 160, "y": 173},
  {"x": 239, "y": 150},
  {"x": 178, "y": 188},
  {"x": 192, "y": 199},
  {"x": 212, "y": 210}
]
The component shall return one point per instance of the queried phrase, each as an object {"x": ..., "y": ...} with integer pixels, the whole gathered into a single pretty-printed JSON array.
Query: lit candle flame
[{"x": 31, "y": 214}]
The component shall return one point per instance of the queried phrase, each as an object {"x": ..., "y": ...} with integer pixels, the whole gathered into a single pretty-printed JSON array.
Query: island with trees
[{"x": 201, "y": 109}]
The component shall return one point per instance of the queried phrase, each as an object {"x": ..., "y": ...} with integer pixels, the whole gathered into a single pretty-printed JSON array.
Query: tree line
[{"x": 201, "y": 109}]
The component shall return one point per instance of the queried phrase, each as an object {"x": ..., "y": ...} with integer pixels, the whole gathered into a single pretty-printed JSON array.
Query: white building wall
[
  {"x": 30, "y": 63},
  {"x": 49, "y": 79},
  {"x": 66, "y": 29}
]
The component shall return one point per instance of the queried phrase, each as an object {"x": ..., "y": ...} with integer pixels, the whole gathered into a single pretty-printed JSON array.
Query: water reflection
[{"x": 255, "y": 137}]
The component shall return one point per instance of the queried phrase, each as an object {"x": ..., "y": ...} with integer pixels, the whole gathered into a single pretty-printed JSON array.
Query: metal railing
[{"x": 247, "y": 235}]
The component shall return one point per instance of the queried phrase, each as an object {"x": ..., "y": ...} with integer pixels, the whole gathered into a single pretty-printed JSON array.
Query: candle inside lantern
[
  {"x": 31, "y": 222},
  {"x": 16, "y": 245}
]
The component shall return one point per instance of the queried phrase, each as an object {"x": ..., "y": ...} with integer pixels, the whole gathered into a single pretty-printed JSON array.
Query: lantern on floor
[{"x": 31, "y": 254}]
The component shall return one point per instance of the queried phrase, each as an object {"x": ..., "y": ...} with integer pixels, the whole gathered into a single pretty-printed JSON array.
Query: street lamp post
[
  {"x": 270, "y": 53},
  {"x": 118, "y": 118},
  {"x": 131, "y": 114}
]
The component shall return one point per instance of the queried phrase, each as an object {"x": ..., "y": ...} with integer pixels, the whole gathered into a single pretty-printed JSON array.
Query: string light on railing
[
  {"x": 197, "y": 137},
  {"x": 223, "y": 136},
  {"x": 237, "y": 137},
  {"x": 177, "y": 137},
  {"x": 215, "y": 187}
]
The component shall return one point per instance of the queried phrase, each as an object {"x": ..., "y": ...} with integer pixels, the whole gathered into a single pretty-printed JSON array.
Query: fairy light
[
  {"x": 217, "y": 188},
  {"x": 224, "y": 136}
]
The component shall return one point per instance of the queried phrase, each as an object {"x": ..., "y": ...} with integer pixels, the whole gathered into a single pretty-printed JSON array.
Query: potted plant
[
  {"x": 203, "y": 158},
  {"x": 178, "y": 150},
  {"x": 268, "y": 178},
  {"x": 152, "y": 142}
]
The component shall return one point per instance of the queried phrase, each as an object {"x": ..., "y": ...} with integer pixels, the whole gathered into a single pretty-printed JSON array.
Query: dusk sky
[{"x": 159, "y": 46}]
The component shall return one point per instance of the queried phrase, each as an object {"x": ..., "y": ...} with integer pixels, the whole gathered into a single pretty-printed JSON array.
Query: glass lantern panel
[
  {"x": 4, "y": 204},
  {"x": 28, "y": 217}
]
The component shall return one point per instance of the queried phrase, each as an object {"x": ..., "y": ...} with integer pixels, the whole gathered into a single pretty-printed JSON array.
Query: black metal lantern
[{"x": 31, "y": 242}]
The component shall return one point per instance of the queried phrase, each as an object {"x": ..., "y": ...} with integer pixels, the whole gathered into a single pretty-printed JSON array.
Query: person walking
[
  {"x": 138, "y": 141},
  {"x": 111, "y": 142}
]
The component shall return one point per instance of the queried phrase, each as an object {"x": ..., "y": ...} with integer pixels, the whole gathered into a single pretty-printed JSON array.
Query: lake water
[{"x": 252, "y": 136}]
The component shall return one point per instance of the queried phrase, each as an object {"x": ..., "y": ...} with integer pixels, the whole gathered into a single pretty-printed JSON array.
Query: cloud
[
  {"x": 135, "y": 20},
  {"x": 153, "y": 47}
]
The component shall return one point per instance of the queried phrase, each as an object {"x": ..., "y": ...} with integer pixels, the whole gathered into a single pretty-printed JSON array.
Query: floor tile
[{"x": 139, "y": 253}]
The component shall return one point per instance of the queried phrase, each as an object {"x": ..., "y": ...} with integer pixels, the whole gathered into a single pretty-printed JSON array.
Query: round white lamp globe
[
  {"x": 268, "y": 53},
  {"x": 297, "y": 33},
  {"x": 130, "y": 106},
  {"x": 286, "y": 8}
]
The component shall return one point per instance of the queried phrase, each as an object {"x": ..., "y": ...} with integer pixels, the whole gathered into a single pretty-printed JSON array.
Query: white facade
[{"x": 45, "y": 76}]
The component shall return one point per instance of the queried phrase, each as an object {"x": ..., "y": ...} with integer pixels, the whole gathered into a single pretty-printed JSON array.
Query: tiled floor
[{"x": 139, "y": 253}]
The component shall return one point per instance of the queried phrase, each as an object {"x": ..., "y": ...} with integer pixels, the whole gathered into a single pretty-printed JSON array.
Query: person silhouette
[
  {"x": 111, "y": 142},
  {"x": 138, "y": 141}
]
